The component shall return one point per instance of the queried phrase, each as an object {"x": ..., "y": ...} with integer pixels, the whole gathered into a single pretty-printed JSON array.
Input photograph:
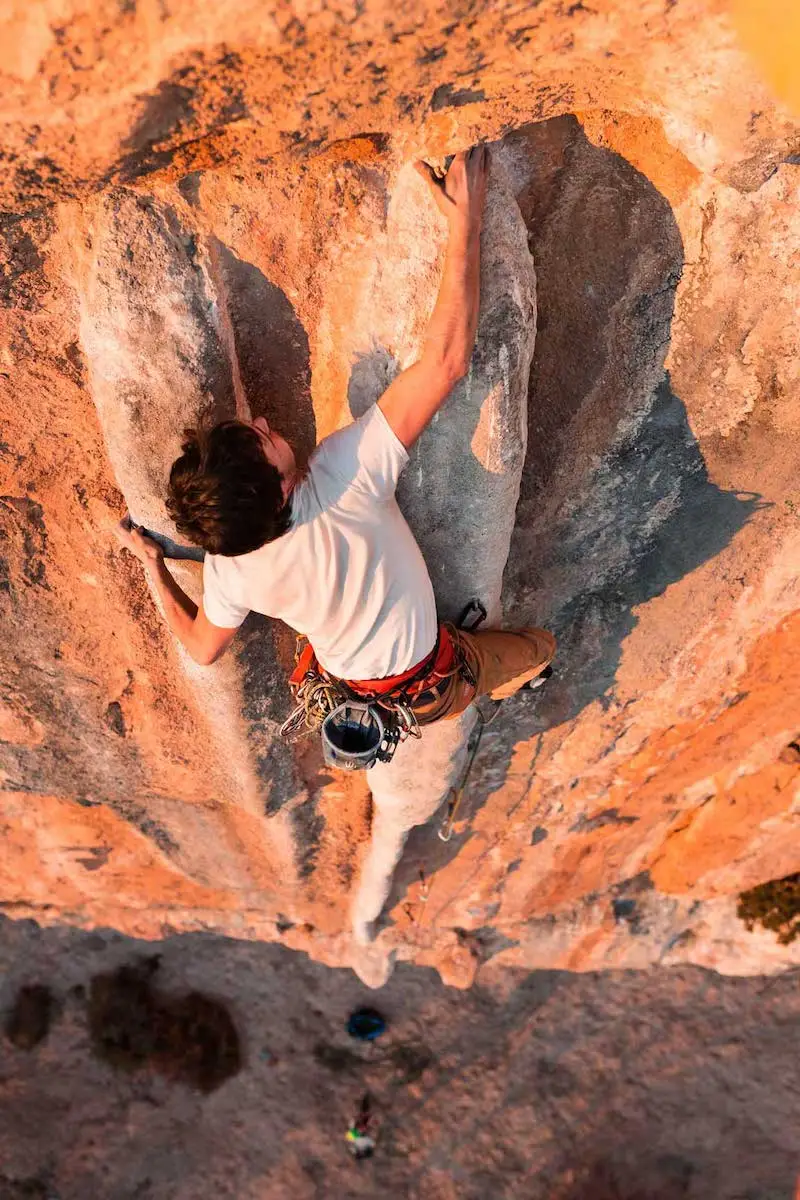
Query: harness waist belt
[
  {"x": 432, "y": 669},
  {"x": 427, "y": 674}
]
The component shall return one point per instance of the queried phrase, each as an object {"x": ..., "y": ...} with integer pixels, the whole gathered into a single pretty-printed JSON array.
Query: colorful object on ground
[
  {"x": 359, "y": 1142},
  {"x": 360, "y": 1145}
]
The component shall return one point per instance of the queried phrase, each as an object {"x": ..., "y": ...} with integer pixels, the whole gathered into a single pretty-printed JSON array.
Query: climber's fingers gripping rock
[
  {"x": 144, "y": 548},
  {"x": 460, "y": 194}
]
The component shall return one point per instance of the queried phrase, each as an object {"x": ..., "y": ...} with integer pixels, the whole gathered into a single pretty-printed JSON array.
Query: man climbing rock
[{"x": 328, "y": 550}]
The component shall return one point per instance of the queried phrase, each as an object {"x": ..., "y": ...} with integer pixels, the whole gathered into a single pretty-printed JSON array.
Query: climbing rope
[
  {"x": 315, "y": 698},
  {"x": 456, "y": 794}
]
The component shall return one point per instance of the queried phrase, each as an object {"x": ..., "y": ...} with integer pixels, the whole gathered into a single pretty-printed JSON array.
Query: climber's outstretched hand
[
  {"x": 416, "y": 395},
  {"x": 145, "y": 549},
  {"x": 461, "y": 192}
]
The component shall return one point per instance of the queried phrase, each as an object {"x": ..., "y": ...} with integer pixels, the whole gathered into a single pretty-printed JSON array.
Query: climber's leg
[
  {"x": 508, "y": 659},
  {"x": 389, "y": 833},
  {"x": 502, "y": 661}
]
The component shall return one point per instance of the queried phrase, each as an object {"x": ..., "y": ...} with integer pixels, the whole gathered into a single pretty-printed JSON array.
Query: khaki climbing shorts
[{"x": 501, "y": 661}]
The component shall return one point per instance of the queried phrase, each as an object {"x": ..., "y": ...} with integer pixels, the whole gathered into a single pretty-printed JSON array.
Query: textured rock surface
[
  {"x": 647, "y": 1085},
  {"x": 462, "y": 484},
  {"x": 207, "y": 213}
]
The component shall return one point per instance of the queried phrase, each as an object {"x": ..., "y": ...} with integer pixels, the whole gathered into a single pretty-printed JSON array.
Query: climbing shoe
[{"x": 537, "y": 681}]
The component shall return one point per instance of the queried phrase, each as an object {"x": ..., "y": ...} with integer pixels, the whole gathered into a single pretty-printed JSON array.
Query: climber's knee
[{"x": 508, "y": 659}]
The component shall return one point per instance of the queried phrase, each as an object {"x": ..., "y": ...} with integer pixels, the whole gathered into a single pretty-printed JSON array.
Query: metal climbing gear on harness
[
  {"x": 315, "y": 694},
  {"x": 362, "y": 722},
  {"x": 356, "y": 730},
  {"x": 473, "y": 614}
]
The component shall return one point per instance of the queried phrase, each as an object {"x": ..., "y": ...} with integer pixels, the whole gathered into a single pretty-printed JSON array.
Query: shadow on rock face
[
  {"x": 608, "y": 257},
  {"x": 615, "y": 501},
  {"x": 190, "y": 1039},
  {"x": 652, "y": 518},
  {"x": 667, "y": 1177},
  {"x": 28, "y": 1021},
  {"x": 163, "y": 114},
  {"x": 272, "y": 355},
  {"x": 272, "y": 350}
]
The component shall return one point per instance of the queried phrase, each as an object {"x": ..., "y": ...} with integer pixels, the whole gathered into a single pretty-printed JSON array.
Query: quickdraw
[{"x": 456, "y": 794}]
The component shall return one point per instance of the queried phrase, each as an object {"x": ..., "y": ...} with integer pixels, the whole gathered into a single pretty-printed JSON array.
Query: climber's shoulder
[{"x": 364, "y": 457}]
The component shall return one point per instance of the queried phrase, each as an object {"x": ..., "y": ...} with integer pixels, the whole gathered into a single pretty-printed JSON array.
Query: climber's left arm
[
  {"x": 202, "y": 640},
  {"x": 416, "y": 395}
]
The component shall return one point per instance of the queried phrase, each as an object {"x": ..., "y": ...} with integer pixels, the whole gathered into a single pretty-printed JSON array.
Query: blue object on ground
[{"x": 366, "y": 1024}]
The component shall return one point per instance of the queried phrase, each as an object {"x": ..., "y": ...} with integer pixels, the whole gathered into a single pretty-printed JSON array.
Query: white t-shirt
[{"x": 348, "y": 572}]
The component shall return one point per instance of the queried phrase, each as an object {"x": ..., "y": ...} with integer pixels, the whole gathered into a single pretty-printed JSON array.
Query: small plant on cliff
[{"x": 776, "y": 905}]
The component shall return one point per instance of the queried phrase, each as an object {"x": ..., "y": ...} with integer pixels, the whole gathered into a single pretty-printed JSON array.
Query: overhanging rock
[
  {"x": 162, "y": 332},
  {"x": 460, "y": 489},
  {"x": 156, "y": 333}
]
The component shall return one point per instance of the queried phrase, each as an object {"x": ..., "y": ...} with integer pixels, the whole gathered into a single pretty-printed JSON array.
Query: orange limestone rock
[{"x": 210, "y": 209}]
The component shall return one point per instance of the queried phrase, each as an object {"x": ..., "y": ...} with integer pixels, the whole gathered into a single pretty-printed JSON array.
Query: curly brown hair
[{"x": 223, "y": 493}]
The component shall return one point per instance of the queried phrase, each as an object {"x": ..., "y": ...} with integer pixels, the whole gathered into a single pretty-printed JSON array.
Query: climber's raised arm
[
  {"x": 202, "y": 640},
  {"x": 418, "y": 393}
]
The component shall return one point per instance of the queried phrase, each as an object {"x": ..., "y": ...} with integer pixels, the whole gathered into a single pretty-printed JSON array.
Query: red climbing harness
[
  {"x": 420, "y": 682},
  {"x": 362, "y": 721}
]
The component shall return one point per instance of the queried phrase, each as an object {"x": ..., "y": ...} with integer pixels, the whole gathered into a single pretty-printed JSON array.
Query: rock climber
[{"x": 327, "y": 549}]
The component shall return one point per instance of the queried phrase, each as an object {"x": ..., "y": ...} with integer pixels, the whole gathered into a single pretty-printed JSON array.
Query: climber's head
[{"x": 229, "y": 490}]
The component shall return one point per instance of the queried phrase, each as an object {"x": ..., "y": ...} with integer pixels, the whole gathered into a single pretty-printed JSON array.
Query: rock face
[
  {"x": 473, "y": 1093},
  {"x": 240, "y": 233},
  {"x": 462, "y": 484}
]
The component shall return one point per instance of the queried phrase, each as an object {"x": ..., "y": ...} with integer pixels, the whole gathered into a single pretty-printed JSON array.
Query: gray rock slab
[{"x": 460, "y": 489}]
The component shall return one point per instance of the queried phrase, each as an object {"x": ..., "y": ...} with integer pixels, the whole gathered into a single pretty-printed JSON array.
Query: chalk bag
[{"x": 352, "y": 736}]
